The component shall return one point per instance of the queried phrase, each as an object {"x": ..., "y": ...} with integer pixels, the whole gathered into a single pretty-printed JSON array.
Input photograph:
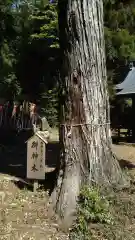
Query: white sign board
[{"x": 36, "y": 158}]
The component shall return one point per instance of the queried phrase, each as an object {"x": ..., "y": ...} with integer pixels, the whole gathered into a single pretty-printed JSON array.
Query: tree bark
[{"x": 85, "y": 125}]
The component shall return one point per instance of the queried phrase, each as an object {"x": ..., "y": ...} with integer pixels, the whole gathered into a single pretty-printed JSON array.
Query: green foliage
[
  {"x": 29, "y": 53},
  {"x": 49, "y": 106},
  {"x": 45, "y": 25},
  {"x": 29, "y": 48},
  {"x": 111, "y": 89},
  {"x": 92, "y": 208},
  {"x": 9, "y": 86},
  {"x": 43, "y": 39},
  {"x": 119, "y": 21},
  {"x": 120, "y": 44}
]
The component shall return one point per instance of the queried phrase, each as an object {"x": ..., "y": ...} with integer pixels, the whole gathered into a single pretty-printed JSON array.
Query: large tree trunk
[{"x": 86, "y": 142}]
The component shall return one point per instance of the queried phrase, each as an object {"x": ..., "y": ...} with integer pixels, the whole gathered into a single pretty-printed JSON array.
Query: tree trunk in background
[{"x": 85, "y": 126}]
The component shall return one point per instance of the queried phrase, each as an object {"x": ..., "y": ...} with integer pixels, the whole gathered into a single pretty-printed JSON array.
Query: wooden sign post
[{"x": 36, "y": 150}]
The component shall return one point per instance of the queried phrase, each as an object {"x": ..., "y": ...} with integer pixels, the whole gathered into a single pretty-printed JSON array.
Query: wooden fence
[{"x": 19, "y": 116}]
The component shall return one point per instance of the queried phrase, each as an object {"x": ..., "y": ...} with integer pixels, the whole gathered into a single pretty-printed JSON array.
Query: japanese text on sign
[{"x": 35, "y": 158}]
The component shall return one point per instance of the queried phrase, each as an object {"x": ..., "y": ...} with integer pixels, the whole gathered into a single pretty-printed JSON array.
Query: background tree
[
  {"x": 85, "y": 124},
  {"x": 44, "y": 42},
  {"x": 29, "y": 54},
  {"x": 9, "y": 86},
  {"x": 119, "y": 22}
]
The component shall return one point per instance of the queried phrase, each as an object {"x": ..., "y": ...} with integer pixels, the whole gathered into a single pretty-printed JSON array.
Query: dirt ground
[
  {"x": 24, "y": 215},
  {"x": 125, "y": 151},
  {"x": 126, "y": 154}
]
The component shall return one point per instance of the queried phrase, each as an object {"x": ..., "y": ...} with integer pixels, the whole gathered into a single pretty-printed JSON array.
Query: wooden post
[
  {"x": 36, "y": 148},
  {"x": 35, "y": 186}
]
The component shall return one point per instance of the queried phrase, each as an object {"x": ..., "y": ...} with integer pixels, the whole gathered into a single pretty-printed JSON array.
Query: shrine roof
[{"x": 128, "y": 85}]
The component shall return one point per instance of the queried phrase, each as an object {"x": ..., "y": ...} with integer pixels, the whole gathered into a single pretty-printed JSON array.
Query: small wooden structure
[
  {"x": 36, "y": 151},
  {"x": 127, "y": 89}
]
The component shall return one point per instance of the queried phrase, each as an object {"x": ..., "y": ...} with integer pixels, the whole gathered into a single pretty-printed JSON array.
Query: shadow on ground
[
  {"x": 117, "y": 140},
  {"x": 13, "y": 156},
  {"x": 126, "y": 164}
]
